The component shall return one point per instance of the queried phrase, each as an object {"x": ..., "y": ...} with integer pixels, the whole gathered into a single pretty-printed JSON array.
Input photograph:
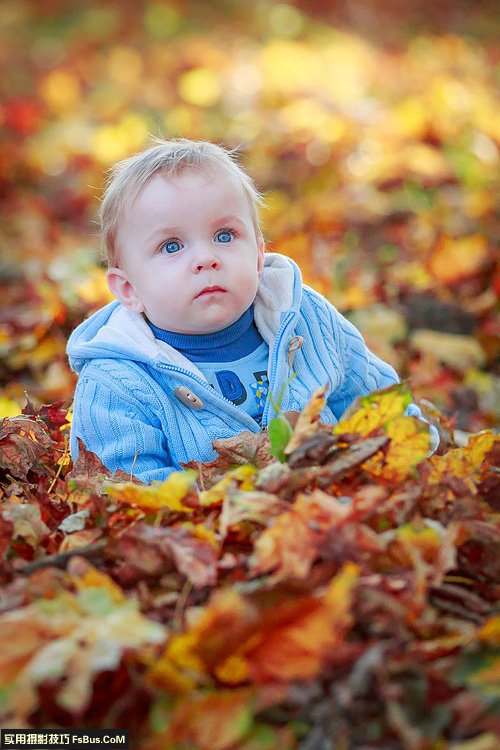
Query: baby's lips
[{"x": 210, "y": 290}]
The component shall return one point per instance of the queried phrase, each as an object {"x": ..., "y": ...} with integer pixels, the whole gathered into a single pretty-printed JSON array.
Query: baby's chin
[
  {"x": 216, "y": 320},
  {"x": 207, "y": 327}
]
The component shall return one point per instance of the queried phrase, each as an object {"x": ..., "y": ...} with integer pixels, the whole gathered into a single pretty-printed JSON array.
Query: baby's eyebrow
[
  {"x": 229, "y": 219},
  {"x": 161, "y": 232}
]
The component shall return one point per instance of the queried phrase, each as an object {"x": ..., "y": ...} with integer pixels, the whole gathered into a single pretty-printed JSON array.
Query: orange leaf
[
  {"x": 213, "y": 722},
  {"x": 454, "y": 259},
  {"x": 297, "y": 649},
  {"x": 289, "y": 545}
]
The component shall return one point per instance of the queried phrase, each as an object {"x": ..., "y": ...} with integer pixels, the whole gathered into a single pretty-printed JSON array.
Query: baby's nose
[{"x": 206, "y": 258}]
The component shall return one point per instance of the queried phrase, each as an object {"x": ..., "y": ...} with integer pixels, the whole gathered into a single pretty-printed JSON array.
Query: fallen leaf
[
  {"x": 24, "y": 446},
  {"x": 308, "y": 420},
  {"x": 374, "y": 411},
  {"x": 459, "y": 352},
  {"x": 167, "y": 495}
]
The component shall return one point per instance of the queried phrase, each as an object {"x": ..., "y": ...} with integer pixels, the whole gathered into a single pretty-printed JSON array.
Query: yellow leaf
[
  {"x": 241, "y": 474},
  {"x": 410, "y": 444},
  {"x": 156, "y": 496},
  {"x": 375, "y": 410},
  {"x": 93, "y": 578},
  {"x": 490, "y": 630},
  {"x": 233, "y": 671},
  {"x": 69, "y": 418},
  {"x": 200, "y": 531},
  {"x": 218, "y": 634},
  {"x": 64, "y": 460},
  {"x": 417, "y": 538},
  {"x": 9, "y": 408},
  {"x": 463, "y": 462}
]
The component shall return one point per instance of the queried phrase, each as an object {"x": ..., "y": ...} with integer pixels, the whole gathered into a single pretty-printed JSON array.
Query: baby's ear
[
  {"x": 261, "y": 249},
  {"x": 123, "y": 289}
]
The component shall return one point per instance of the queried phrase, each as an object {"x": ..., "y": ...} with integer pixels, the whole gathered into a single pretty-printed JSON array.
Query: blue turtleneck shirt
[{"x": 233, "y": 360}]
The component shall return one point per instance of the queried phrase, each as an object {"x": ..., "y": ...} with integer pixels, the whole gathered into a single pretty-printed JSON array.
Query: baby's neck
[{"x": 233, "y": 342}]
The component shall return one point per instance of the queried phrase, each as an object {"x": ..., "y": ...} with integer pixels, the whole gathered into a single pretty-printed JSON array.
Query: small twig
[
  {"x": 158, "y": 517},
  {"x": 180, "y": 605},
  {"x": 60, "y": 560},
  {"x": 59, "y": 469},
  {"x": 136, "y": 456}
]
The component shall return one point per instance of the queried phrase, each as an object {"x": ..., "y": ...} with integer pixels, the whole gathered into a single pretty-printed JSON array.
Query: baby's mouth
[{"x": 210, "y": 290}]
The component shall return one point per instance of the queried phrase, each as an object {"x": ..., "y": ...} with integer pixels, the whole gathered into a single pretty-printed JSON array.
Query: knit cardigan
[{"x": 142, "y": 407}]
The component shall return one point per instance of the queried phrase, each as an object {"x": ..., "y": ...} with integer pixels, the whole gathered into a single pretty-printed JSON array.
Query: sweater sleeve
[
  {"x": 119, "y": 431},
  {"x": 364, "y": 372}
]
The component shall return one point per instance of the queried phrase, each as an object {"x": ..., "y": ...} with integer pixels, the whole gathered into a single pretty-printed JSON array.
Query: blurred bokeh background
[{"x": 372, "y": 127}]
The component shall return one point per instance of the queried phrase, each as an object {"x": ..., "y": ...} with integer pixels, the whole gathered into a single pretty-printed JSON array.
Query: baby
[{"x": 205, "y": 325}]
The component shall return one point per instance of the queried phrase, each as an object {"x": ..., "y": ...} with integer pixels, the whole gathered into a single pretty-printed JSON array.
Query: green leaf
[{"x": 280, "y": 432}]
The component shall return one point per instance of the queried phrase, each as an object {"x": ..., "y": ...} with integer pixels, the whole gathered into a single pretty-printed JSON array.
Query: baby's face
[{"x": 189, "y": 256}]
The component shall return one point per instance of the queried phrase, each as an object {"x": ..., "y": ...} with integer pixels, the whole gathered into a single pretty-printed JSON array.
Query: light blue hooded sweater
[{"x": 142, "y": 407}]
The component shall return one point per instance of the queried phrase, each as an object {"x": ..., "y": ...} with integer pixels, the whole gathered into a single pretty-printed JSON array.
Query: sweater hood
[{"x": 114, "y": 332}]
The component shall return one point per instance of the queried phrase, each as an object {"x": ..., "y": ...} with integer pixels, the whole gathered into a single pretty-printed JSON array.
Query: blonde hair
[{"x": 128, "y": 177}]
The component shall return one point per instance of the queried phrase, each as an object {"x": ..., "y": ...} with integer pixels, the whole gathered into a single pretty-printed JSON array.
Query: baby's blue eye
[
  {"x": 172, "y": 247},
  {"x": 224, "y": 236}
]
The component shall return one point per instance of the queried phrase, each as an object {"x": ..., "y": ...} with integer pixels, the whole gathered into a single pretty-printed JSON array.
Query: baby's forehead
[
  {"x": 211, "y": 174},
  {"x": 183, "y": 181}
]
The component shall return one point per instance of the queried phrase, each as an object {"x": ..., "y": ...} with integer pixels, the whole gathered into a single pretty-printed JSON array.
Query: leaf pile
[
  {"x": 379, "y": 164},
  {"x": 345, "y": 596}
]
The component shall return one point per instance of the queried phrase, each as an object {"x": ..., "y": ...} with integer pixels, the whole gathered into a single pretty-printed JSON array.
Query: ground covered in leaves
[
  {"x": 319, "y": 587},
  {"x": 334, "y": 588},
  {"x": 378, "y": 156}
]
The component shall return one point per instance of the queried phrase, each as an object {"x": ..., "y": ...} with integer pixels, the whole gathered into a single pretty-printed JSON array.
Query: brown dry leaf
[
  {"x": 80, "y": 539},
  {"x": 308, "y": 420},
  {"x": 88, "y": 472},
  {"x": 257, "y": 507},
  {"x": 27, "y": 522},
  {"x": 195, "y": 558},
  {"x": 246, "y": 448},
  {"x": 24, "y": 446},
  {"x": 149, "y": 550}
]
